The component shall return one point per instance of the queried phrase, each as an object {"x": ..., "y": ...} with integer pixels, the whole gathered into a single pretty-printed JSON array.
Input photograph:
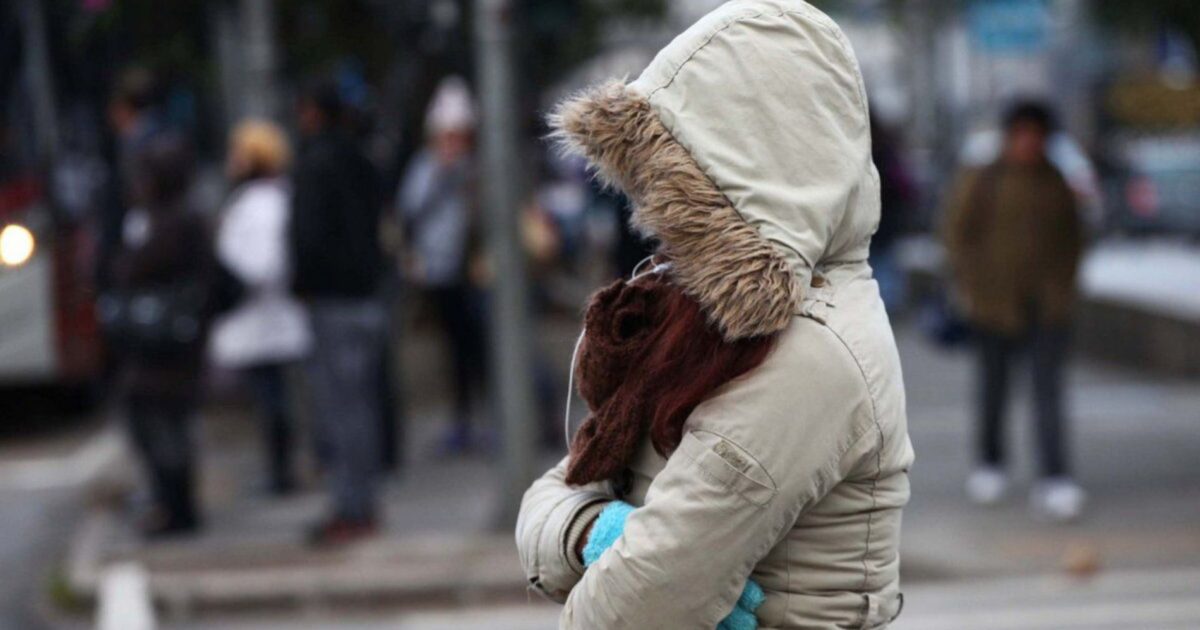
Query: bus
[{"x": 48, "y": 329}]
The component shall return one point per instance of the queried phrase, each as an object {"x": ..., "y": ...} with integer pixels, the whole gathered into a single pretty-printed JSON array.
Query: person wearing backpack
[{"x": 155, "y": 317}]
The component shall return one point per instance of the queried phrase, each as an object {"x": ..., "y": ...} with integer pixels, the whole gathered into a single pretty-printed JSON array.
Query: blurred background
[{"x": 289, "y": 291}]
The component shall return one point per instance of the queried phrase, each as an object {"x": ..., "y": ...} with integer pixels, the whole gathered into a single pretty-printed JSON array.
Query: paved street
[
  {"x": 35, "y": 524},
  {"x": 1145, "y": 600},
  {"x": 1137, "y": 444},
  {"x": 41, "y": 468}
]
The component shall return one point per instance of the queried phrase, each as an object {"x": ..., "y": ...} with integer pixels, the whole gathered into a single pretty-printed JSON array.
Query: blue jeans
[
  {"x": 1047, "y": 347},
  {"x": 343, "y": 376}
]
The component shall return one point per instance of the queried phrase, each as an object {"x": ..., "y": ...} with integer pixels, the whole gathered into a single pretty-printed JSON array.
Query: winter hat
[{"x": 452, "y": 108}]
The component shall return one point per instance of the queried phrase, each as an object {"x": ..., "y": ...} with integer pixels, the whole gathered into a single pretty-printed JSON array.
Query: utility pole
[
  {"x": 511, "y": 360},
  {"x": 258, "y": 31},
  {"x": 41, "y": 82}
]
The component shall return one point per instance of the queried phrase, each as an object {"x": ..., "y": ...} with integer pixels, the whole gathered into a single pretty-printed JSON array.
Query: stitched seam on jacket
[
  {"x": 805, "y": 12},
  {"x": 878, "y": 452},
  {"x": 702, "y": 45},
  {"x": 874, "y": 504}
]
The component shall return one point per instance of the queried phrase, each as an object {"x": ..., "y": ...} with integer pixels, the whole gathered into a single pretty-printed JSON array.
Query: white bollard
[{"x": 125, "y": 599}]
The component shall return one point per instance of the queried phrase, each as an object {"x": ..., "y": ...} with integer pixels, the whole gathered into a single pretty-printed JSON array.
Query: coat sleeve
[
  {"x": 755, "y": 457},
  {"x": 954, "y": 226},
  {"x": 1068, "y": 225},
  {"x": 550, "y": 513}
]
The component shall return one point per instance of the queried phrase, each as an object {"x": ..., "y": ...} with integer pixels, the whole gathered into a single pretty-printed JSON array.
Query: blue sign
[{"x": 1009, "y": 26}]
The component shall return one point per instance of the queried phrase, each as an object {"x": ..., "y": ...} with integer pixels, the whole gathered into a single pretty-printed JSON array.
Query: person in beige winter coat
[{"x": 745, "y": 147}]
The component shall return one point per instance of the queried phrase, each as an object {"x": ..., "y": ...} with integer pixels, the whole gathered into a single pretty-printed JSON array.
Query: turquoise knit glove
[
  {"x": 608, "y": 528},
  {"x": 742, "y": 617}
]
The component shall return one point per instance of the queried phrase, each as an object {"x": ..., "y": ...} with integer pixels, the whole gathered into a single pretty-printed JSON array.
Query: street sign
[{"x": 1009, "y": 27}]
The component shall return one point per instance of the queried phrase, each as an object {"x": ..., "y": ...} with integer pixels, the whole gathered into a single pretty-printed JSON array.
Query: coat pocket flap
[{"x": 729, "y": 465}]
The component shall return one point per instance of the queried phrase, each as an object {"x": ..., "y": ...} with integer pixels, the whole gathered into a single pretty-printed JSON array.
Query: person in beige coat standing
[{"x": 745, "y": 147}]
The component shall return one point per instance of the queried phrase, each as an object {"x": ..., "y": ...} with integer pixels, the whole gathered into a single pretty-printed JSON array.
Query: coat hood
[{"x": 745, "y": 148}]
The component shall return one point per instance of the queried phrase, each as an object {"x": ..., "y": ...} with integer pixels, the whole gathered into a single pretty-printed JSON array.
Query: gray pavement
[
  {"x": 1145, "y": 600},
  {"x": 40, "y": 500},
  {"x": 36, "y": 524},
  {"x": 1136, "y": 448}
]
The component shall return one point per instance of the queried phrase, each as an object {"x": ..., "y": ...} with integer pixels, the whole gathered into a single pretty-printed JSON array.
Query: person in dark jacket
[
  {"x": 1014, "y": 238},
  {"x": 164, "y": 256},
  {"x": 337, "y": 267},
  {"x": 135, "y": 121}
]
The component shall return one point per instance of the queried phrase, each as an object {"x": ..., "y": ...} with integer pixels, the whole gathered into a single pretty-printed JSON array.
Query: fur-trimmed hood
[{"x": 745, "y": 147}]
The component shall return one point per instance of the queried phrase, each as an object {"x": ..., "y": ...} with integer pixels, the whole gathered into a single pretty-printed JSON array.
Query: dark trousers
[
  {"x": 160, "y": 428},
  {"x": 343, "y": 376},
  {"x": 460, "y": 311},
  {"x": 1047, "y": 350},
  {"x": 269, "y": 382}
]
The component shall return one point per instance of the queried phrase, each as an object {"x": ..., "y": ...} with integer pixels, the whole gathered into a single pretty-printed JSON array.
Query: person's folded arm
[
  {"x": 553, "y": 518},
  {"x": 753, "y": 459}
]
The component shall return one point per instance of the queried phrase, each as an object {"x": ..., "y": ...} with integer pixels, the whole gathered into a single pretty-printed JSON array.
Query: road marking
[
  {"x": 1115, "y": 614},
  {"x": 1145, "y": 599},
  {"x": 67, "y": 471},
  {"x": 125, "y": 599}
]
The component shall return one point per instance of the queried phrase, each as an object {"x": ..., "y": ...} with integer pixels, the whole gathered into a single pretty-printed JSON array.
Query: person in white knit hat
[{"x": 437, "y": 207}]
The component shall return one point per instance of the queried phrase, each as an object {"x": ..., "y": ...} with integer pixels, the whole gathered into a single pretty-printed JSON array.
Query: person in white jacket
[
  {"x": 267, "y": 330},
  {"x": 745, "y": 147}
]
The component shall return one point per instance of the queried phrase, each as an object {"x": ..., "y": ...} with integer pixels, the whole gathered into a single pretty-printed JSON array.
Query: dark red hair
[
  {"x": 648, "y": 358},
  {"x": 687, "y": 362}
]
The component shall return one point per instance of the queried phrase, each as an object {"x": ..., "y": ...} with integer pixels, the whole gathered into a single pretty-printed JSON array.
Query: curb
[{"x": 413, "y": 571}]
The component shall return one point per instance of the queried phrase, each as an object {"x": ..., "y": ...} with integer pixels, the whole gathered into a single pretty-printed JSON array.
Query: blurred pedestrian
[
  {"x": 155, "y": 316},
  {"x": 1014, "y": 239},
  {"x": 437, "y": 205},
  {"x": 337, "y": 262},
  {"x": 134, "y": 119},
  {"x": 897, "y": 194},
  {"x": 266, "y": 330}
]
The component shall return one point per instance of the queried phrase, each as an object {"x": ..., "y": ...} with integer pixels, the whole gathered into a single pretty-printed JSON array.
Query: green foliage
[
  {"x": 314, "y": 34},
  {"x": 168, "y": 37},
  {"x": 1147, "y": 14}
]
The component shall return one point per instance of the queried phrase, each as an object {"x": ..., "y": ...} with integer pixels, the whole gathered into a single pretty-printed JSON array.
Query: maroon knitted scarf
[{"x": 648, "y": 358}]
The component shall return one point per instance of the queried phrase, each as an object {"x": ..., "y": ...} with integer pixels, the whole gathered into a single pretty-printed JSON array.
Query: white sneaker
[
  {"x": 987, "y": 485},
  {"x": 1058, "y": 499}
]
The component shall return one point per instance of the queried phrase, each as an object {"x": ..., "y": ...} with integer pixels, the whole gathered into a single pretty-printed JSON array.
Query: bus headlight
[{"x": 16, "y": 245}]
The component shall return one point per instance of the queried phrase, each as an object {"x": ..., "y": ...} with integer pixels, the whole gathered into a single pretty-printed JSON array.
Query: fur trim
[{"x": 745, "y": 285}]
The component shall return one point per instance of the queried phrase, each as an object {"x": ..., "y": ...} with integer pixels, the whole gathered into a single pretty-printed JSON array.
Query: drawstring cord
[{"x": 571, "y": 389}]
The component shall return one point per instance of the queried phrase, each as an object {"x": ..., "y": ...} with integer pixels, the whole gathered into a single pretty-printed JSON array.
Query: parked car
[{"x": 1156, "y": 186}]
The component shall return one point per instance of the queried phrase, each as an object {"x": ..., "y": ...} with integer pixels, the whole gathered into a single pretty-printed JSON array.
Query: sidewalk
[
  {"x": 1116, "y": 601},
  {"x": 440, "y": 544},
  {"x": 1136, "y": 444},
  {"x": 1138, "y": 441}
]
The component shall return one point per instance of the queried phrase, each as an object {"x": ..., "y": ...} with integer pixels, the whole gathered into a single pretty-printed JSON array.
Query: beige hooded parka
[{"x": 745, "y": 148}]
